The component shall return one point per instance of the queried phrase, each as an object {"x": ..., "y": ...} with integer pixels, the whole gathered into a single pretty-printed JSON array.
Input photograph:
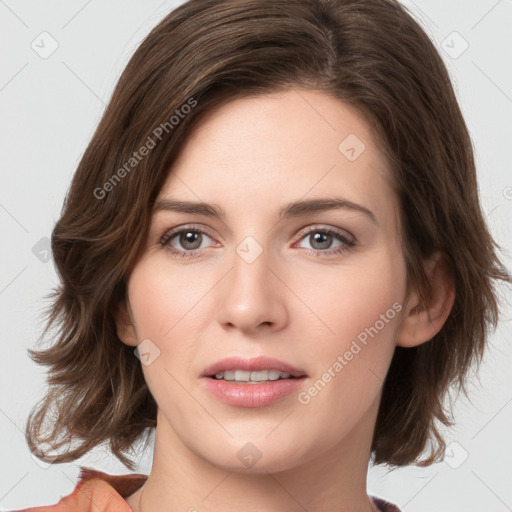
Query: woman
[{"x": 339, "y": 278}]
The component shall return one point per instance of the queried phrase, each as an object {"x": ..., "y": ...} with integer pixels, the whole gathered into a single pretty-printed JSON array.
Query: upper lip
[{"x": 253, "y": 364}]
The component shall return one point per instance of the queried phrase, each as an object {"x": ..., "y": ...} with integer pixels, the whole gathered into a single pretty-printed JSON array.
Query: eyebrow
[{"x": 291, "y": 210}]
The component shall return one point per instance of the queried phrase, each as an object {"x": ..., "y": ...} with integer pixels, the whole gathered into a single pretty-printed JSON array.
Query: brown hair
[{"x": 368, "y": 53}]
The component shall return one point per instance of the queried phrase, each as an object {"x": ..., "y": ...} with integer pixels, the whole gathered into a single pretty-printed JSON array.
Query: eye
[
  {"x": 190, "y": 239},
  {"x": 323, "y": 239}
]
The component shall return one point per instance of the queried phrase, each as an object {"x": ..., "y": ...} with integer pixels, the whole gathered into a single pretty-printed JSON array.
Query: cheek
[
  {"x": 354, "y": 297},
  {"x": 168, "y": 307},
  {"x": 360, "y": 307},
  {"x": 159, "y": 303},
  {"x": 350, "y": 363},
  {"x": 161, "y": 298}
]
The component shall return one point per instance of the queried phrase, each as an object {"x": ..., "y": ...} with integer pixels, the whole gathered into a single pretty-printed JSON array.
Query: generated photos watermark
[
  {"x": 151, "y": 142},
  {"x": 305, "y": 397}
]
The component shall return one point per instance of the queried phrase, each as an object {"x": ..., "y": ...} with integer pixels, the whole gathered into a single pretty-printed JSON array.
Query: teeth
[{"x": 245, "y": 376}]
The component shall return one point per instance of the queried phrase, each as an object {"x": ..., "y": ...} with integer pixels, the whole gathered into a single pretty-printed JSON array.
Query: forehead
[{"x": 259, "y": 152}]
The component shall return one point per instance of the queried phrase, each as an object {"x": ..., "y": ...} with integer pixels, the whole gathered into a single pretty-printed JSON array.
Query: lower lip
[{"x": 252, "y": 395}]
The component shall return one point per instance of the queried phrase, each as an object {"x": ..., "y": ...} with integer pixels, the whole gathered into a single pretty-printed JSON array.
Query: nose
[{"x": 252, "y": 296}]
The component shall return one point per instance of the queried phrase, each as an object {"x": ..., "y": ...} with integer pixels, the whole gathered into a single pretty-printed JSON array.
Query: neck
[{"x": 334, "y": 479}]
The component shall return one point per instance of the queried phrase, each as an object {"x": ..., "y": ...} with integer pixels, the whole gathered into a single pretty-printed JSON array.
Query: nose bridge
[{"x": 251, "y": 294}]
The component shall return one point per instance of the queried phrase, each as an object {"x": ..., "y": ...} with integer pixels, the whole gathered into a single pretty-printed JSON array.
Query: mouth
[
  {"x": 254, "y": 377},
  {"x": 261, "y": 369},
  {"x": 250, "y": 383}
]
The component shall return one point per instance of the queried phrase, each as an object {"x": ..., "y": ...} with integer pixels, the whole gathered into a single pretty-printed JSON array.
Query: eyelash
[{"x": 349, "y": 243}]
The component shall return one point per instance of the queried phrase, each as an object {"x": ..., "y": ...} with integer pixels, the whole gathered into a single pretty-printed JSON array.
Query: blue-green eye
[
  {"x": 192, "y": 239},
  {"x": 323, "y": 239}
]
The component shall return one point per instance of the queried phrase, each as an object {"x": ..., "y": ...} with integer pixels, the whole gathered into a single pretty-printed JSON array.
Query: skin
[{"x": 251, "y": 157}]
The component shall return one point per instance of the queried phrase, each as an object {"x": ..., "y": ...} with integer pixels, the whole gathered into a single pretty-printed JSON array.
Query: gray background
[{"x": 50, "y": 107}]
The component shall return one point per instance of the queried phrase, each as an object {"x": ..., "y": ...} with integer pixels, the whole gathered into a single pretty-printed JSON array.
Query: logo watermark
[
  {"x": 143, "y": 151},
  {"x": 304, "y": 397}
]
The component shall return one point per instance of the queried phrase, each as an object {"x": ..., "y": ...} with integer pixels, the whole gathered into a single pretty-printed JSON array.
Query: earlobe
[
  {"x": 125, "y": 325},
  {"x": 422, "y": 321}
]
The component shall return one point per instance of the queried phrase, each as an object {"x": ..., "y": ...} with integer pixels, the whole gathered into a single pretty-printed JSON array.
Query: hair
[{"x": 370, "y": 54}]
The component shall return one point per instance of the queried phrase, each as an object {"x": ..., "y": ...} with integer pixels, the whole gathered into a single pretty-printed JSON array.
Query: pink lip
[
  {"x": 251, "y": 365},
  {"x": 252, "y": 395}
]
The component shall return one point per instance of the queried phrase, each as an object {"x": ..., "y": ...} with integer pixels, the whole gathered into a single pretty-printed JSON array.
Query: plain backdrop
[{"x": 60, "y": 62}]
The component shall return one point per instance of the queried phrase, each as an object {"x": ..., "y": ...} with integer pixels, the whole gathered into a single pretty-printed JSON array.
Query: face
[{"x": 318, "y": 289}]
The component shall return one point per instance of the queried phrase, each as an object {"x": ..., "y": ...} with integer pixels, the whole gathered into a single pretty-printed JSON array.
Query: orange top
[
  {"x": 100, "y": 492},
  {"x": 96, "y": 491}
]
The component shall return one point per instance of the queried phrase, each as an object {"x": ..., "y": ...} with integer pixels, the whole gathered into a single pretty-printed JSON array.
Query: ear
[
  {"x": 125, "y": 325},
  {"x": 422, "y": 321}
]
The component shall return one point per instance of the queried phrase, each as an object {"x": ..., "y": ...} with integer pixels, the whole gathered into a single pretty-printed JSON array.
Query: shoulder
[
  {"x": 383, "y": 505},
  {"x": 96, "y": 491}
]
